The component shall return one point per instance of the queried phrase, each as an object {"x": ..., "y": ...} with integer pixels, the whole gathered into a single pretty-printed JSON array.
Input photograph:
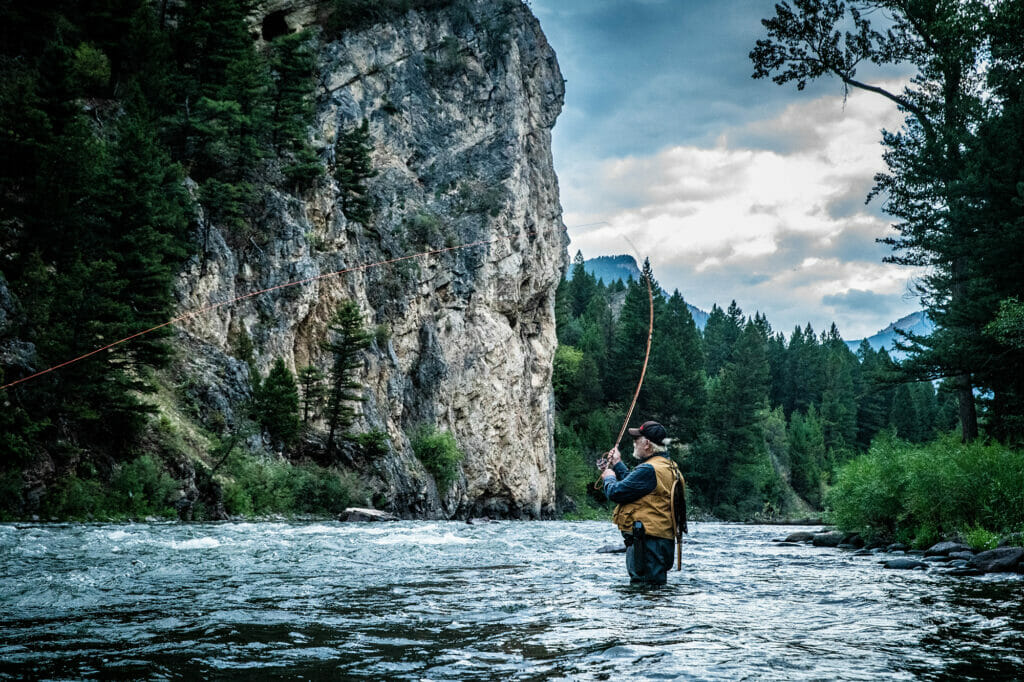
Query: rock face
[{"x": 460, "y": 103}]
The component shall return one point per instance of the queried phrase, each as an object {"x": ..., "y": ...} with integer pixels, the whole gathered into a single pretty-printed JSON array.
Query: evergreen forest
[{"x": 762, "y": 418}]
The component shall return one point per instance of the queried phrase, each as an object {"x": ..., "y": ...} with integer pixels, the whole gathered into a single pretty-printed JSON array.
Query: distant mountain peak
[
  {"x": 623, "y": 266},
  {"x": 916, "y": 323}
]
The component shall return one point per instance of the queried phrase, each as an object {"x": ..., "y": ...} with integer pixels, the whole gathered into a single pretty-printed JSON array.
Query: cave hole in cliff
[{"x": 275, "y": 26}]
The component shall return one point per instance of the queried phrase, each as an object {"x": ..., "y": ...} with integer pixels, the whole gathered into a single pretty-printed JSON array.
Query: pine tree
[
  {"x": 806, "y": 369},
  {"x": 674, "y": 388},
  {"x": 352, "y": 168},
  {"x": 582, "y": 286},
  {"x": 731, "y": 464},
  {"x": 630, "y": 339},
  {"x": 904, "y": 415},
  {"x": 807, "y": 455},
  {"x": 839, "y": 396},
  {"x": 874, "y": 402},
  {"x": 276, "y": 404},
  {"x": 720, "y": 333},
  {"x": 312, "y": 392},
  {"x": 294, "y": 66},
  {"x": 346, "y": 342},
  {"x": 952, "y": 187}
]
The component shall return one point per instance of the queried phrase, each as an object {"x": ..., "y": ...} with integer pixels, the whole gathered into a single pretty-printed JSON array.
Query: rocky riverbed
[{"x": 952, "y": 557}]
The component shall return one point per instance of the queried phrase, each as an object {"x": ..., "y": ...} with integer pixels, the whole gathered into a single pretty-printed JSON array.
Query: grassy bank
[
  {"x": 244, "y": 485},
  {"x": 920, "y": 494}
]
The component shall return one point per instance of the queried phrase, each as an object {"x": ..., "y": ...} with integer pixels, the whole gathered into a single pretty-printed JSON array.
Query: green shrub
[
  {"x": 259, "y": 487},
  {"x": 980, "y": 539},
  {"x": 924, "y": 492},
  {"x": 869, "y": 492},
  {"x": 373, "y": 443},
  {"x": 142, "y": 488},
  {"x": 425, "y": 230},
  {"x": 135, "y": 489},
  {"x": 439, "y": 453},
  {"x": 572, "y": 473},
  {"x": 11, "y": 499}
]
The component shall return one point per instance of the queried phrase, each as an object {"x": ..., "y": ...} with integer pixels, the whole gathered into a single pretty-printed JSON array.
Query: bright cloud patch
[{"x": 771, "y": 215}]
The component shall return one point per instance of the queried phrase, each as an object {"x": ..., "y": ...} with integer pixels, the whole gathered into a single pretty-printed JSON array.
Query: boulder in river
[
  {"x": 945, "y": 548},
  {"x": 612, "y": 549},
  {"x": 966, "y": 555},
  {"x": 905, "y": 564},
  {"x": 362, "y": 514},
  {"x": 801, "y": 536},
  {"x": 831, "y": 539},
  {"x": 854, "y": 540},
  {"x": 897, "y": 547},
  {"x": 999, "y": 560}
]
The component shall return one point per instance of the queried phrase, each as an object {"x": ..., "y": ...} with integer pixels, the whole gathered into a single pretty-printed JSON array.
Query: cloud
[
  {"x": 855, "y": 299},
  {"x": 783, "y": 230},
  {"x": 736, "y": 188}
]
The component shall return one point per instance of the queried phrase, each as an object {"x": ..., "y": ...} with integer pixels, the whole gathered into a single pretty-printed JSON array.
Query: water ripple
[{"x": 519, "y": 601}]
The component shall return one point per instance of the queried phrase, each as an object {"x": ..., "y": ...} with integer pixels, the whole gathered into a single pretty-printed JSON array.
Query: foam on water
[
  {"x": 506, "y": 600},
  {"x": 399, "y": 538},
  {"x": 196, "y": 543}
]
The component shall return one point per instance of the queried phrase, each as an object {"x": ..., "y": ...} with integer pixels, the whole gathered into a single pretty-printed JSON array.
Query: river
[{"x": 499, "y": 601}]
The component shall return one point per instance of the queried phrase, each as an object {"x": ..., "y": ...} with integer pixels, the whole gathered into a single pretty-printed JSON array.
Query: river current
[{"x": 505, "y": 600}]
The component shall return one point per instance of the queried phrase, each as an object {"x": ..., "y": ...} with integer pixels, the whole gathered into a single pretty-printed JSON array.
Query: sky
[{"x": 735, "y": 188}]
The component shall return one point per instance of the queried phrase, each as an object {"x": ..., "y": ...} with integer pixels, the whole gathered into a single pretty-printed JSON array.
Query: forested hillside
[{"x": 759, "y": 414}]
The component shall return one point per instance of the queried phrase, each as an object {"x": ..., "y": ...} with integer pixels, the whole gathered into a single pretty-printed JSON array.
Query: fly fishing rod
[{"x": 603, "y": 461}]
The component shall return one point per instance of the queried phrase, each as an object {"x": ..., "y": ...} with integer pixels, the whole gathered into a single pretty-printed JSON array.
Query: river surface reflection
[{"x": 506, "y": 600}]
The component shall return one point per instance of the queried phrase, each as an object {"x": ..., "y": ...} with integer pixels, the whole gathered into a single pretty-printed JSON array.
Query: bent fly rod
[{"x": 643, "y": 372}]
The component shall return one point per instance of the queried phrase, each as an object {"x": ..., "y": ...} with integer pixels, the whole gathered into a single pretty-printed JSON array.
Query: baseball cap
[{"x": 652, "y": 431}]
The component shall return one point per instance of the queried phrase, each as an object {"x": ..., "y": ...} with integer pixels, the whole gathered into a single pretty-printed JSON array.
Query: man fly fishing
[{"x": 651, "y": 504}]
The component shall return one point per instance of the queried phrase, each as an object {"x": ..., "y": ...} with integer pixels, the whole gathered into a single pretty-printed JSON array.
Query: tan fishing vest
[{"x": 655, "y": 508}]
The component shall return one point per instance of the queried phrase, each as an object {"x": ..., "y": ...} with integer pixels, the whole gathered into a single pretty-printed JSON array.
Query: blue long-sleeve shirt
[{"x": 629, "y": 486}]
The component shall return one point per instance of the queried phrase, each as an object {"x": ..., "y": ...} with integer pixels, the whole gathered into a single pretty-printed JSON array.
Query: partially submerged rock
[
  {"x": 999, "y": 560},
  {"x": 831, "y": 539},
  {"x": 362, "y": 514},
  {"x": 905, "y": 564},
  {"x": 612, "y": 549},
  {"x": 801, "y": 536}
]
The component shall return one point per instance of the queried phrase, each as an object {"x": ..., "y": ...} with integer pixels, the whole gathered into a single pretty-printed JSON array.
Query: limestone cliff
[{"x": 460, "y": 103}]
